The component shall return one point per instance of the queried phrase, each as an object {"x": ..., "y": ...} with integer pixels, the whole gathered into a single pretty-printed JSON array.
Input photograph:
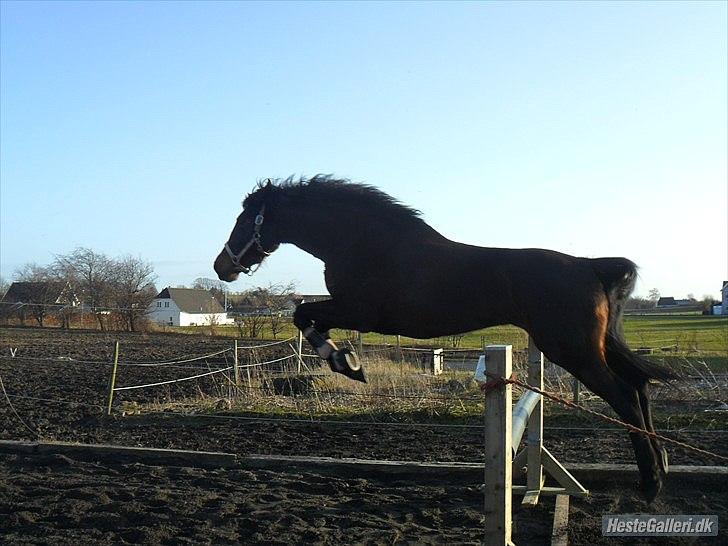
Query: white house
[{"x": 187, "y": 307}]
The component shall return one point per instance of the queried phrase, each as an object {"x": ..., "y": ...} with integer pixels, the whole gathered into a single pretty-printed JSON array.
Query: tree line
[
  {"x": 255, "y": 309},
  {"x": 90, "y": 282},
  {"x": 116, "y": 292}
]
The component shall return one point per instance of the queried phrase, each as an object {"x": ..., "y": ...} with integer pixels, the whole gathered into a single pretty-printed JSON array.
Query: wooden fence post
[
  {"x": 575, "y": 388},
  {"x": 498, "y": 447},
  {"x": 112, "y": 381},
  {"x": 359, "y": 344},
  {"x": 398, "y": 355},
  {"x": 534, "y": 436}
]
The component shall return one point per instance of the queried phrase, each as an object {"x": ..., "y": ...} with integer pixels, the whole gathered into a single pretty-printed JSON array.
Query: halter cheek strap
[{"x": 254, "y": 240}]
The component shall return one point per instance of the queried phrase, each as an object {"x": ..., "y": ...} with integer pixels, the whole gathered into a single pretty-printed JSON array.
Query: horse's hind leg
[
  {"x": 625, "y": 400},
  {"x": 643, "y": 393}
]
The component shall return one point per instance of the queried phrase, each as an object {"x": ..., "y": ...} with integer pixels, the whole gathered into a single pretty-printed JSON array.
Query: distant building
[
  {"x": 50, "y": 293},
  {"x": 724, "y": 298},
  {"x": 38, "y": 299},
  {"x": 669, "y": 302},
  {"x": 311, "y": 298},
  {"x": 187, "y": 307}
]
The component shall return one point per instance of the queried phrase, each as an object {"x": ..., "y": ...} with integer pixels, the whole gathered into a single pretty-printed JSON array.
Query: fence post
[
  {"x": 359, "y": 344},
  {"x": 575, "y": 388},
  {"x": 534, "y": 437},
  {"x": 112, "y": 381},
  {"x": 398, "y": 355},
  {"x": 437, "y": 362},
  {"x": 498, "y": 447},
  {"x": 299, "y": 348},
  {"x": 236, "y": 364}
]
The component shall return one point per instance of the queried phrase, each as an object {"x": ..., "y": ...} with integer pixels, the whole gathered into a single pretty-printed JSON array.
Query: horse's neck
[{"x": 329, "y": 232}]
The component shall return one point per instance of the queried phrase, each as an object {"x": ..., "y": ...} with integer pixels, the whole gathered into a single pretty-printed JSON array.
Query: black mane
[{"x": 340, "y": 193}]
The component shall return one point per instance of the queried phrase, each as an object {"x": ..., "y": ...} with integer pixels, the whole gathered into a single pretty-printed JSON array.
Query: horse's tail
[{"x": 618, "y": 277}]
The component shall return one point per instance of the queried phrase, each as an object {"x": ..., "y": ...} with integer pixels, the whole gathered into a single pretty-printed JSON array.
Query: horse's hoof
[
  {"x": 347, "y": 363},
  {"x": 651, "y": 489}
]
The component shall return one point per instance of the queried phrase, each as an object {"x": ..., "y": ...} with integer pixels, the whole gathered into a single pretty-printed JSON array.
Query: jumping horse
[{"x": 390, "y": 272}]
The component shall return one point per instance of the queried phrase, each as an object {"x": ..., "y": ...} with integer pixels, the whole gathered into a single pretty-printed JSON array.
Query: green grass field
[{"x": 681, "y": 334}]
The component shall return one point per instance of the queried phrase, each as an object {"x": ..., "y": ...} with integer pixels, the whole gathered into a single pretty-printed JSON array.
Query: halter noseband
[{"x": 254, "y": 240}]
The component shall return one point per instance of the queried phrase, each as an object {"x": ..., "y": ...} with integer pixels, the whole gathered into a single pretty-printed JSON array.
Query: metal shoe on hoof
[{"x": 347, "y": 363}]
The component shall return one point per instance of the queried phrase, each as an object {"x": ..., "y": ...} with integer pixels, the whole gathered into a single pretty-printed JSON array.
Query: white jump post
[
  {"x": 436, "y": 365},
  {"x": 236, "y": 364},
  {"x": 299, "y": 350}
]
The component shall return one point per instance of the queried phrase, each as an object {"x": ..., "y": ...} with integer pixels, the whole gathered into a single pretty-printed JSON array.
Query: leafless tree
[
  {"x": 215, "y": 287},
  {"x": 279, "y": 305},
  {"x": 273, "y": 302},
  {"x": 636, "y": 303},
  {"x": 41, "y": 295},
  {"x": 132, "y": 289},
  {"x": 4, "y": 285},
  {"x": 89, "y": 274},
  {"x": 252, "y": 325}
]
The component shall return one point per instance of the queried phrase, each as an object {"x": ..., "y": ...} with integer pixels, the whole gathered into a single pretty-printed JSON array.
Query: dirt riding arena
[{"x": 57, "y": 383}]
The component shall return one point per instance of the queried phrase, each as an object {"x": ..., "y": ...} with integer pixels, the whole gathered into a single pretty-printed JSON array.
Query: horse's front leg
[{"x": 315, "y": 320}]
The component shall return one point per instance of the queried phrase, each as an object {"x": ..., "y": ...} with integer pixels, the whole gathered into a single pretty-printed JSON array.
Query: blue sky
[{"x": 596, "y": 129}]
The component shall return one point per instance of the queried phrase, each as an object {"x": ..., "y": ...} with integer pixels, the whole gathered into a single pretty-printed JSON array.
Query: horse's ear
[
  {"x": 266, "y": 186},
  {"x": 268, "y": 189}
]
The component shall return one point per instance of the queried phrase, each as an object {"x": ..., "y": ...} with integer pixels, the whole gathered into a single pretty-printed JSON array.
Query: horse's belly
[{"x": 428, "y": 321}]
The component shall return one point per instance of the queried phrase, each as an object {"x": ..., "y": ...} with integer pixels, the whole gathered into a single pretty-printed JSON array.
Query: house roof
[
  {"x": 725, "y": 283},
  {"x": 311, "y": 298},
  {"x": 191, "y": 300},
  {"x": 35, "y": 292}
]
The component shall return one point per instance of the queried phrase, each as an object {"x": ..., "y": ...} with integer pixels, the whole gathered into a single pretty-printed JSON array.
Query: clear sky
[{"x": 596, "y": 129}]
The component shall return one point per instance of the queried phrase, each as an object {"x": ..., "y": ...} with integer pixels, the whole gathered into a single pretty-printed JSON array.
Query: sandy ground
[{"x": 56, "y": 499}]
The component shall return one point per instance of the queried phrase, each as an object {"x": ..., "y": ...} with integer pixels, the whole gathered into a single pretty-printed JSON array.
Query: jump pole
[{"x": 112, "y": 381}]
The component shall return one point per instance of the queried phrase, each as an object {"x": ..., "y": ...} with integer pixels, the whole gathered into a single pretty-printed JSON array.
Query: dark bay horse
[{"x": 389, "y": 272}]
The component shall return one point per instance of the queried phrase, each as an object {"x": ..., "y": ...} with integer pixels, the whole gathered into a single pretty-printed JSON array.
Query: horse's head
[{"x": 253, "y": 237}]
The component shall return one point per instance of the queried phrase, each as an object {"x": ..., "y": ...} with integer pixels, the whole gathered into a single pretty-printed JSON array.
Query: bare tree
[
  {"x": 636, "y": 303},
  {"x": 279, "y": 305},
  {"x": 4, "y": 285},
  {"x": 132, "y": 289},
  {"x": 251, "y": 325},
  {"x": 273, "y": 302},
  {"x": 39, "y": 294},
  {"x": 216, "y": 287},
  {"x": 653, "y": 295},
  {"x": 89, "y": 274}
]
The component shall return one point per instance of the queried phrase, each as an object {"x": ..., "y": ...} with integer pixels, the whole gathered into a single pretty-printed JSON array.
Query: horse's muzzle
[{"x": 225, "y": 269}]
